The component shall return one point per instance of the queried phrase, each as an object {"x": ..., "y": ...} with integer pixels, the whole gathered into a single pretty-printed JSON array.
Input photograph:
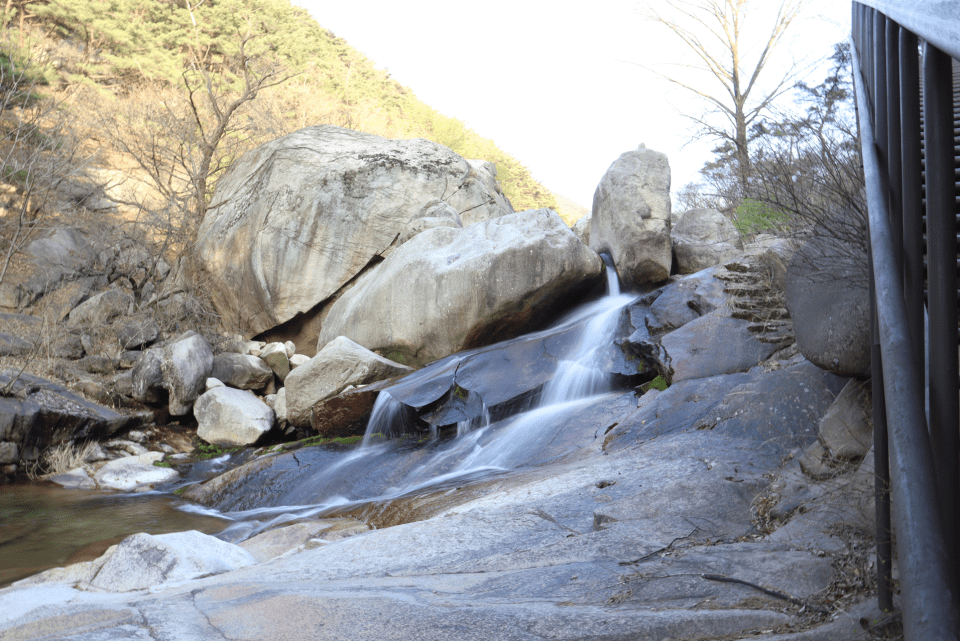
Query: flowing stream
[{"x": 42, "y": 526}]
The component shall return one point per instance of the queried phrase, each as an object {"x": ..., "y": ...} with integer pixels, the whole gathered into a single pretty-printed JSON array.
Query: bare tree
[
  {"x": 186, "y": 136},
  {"x": 39, "y": 151},
  {"x": 212, "y": 103},
  {"x": 724, "y": 48}
]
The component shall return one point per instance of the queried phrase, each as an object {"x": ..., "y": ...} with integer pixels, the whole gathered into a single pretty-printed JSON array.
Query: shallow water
[{"x": 44, "y": 526}]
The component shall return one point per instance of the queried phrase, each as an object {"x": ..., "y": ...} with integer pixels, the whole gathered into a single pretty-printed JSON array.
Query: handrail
[
  {"x": 935, "y": 21},
  {"x": 927, "y": 571}
]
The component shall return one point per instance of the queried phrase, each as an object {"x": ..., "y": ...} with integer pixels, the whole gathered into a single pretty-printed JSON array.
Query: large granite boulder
[
  {"x": 38, "y": 414},
  {"x": 296, "y": 219},
  {"x": 631, "y": 216},
  {"x": 231, "y": 417},
  {"x": 339, "y": 364},
  {"x": 133, "y": 472},
  {"x": 145, "y": 561},
  {"x": 186, "y": 365},
  {"x": 451, "y": 289},
  {"x": 828, "y": 297},
  {"x": 243, "y": 371},
  {"x": 703, "y": 238}
]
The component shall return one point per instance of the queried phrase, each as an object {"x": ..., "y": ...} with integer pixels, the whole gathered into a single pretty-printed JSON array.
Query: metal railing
[{"x": 903, "y": 60}]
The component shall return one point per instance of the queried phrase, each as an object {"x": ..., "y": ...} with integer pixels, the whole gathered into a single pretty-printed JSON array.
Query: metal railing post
[
  {"x": 894, "y": 160},
  {"x": 881, "y": 461},
  {"x": 911, "y": 166}
]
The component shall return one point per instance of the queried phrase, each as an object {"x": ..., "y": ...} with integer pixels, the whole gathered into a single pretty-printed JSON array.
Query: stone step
[
  {"x": 760, "y": 316},
  {"x": 772, "y": 326}
]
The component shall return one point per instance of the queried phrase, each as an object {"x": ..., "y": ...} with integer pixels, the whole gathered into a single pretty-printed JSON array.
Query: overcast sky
[{"x": 556, "y": 84}]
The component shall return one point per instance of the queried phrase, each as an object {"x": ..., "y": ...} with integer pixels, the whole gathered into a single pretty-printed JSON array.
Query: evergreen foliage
[{"x": 122, "y": 45}]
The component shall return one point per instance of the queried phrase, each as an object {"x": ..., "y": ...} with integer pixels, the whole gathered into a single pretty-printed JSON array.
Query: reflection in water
[{"x": 42, "y": 526}]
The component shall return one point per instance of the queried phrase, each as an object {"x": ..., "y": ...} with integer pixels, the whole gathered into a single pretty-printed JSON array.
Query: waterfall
[
  {"x": 385, "y": 418},
  {"x": 384, "y": 469},
  {"x": 613, "y": 281}
]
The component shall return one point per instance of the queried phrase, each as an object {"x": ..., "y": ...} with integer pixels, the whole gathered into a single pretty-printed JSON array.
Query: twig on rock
[{"x": 773, "y": 593}]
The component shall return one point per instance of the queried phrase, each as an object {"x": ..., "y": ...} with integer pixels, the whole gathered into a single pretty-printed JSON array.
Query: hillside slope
[{"x": 145, "y": 50}]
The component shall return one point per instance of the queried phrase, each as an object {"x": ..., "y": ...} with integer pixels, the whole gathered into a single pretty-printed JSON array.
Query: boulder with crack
[
  {"x": 296, "y": 219},
  {"x": 450, "y": 289}
]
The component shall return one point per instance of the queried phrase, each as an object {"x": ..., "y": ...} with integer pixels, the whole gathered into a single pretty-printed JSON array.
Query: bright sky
[{"x": 555, "y": 84}]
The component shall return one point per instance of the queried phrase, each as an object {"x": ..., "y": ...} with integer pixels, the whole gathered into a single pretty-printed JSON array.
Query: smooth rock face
[
  {"x": 39, "y": 413},
  {"x": 14, "y": 346},
  {"x": 144, "y": 561},
  {"x": 231, "y": 417},
  {"x": 280, "y": 405},
  {"x": 686, "y": 300},
  {"x": 582, "y": 229},
  {"x": 273, "y": 543},
  {"x": 711, "y": 345},
  {"x": 829, "y": 302},
  {"x": 147, "y": 377},
  {"x": 631, "y": 216},
  {"x": 77, "y": 477},
  {"x": 499, "y": 275},
  {"x": 101, "y": 308},
  {"x": 8, "y": 452},
  {"x": 339, "y": 364},
  {"x": 186, "y": 366},
  {"x": 703, "y": 238},
  {"x": 242, "y": 371},
  {"x": 295, "y": 219},
  {"x": 275, "y": 356},
  {"x": 847, "y": 429},
  {"x": 134, "y": 471}
]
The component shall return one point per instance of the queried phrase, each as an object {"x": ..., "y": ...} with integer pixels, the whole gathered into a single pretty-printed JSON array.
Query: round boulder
[
  {"x": 631, "y": 216},
  {"x": 828, "y": 299},
  {"x": 230, "y": 417}
]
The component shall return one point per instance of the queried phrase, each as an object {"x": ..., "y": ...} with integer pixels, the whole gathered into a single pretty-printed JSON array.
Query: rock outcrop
[
  {"x": 293, "y": 221},
  {"x": 631, "y": 216},
  {"x": 451, "y": 289},
  {"x": 133, "y": 472}
]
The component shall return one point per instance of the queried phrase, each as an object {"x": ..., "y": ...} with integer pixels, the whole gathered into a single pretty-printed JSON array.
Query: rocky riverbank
[{"x": 714, "y": 484}]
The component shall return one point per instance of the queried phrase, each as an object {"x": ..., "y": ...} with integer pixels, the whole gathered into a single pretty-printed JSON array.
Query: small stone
[
  {"x": 8, "y": 452},
  {"x": 275, "y": 355},
  {"x": 291, "y": 348},
  {"x": 128, "y": 359},
  {"x": 298, "y": 359},
  {"x": 76, "y": 477}
]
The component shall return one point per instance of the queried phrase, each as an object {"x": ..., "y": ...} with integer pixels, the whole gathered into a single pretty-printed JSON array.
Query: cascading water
[
  {"x": 385, "y": 468},
  {"x": 613, "y": 281}
]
